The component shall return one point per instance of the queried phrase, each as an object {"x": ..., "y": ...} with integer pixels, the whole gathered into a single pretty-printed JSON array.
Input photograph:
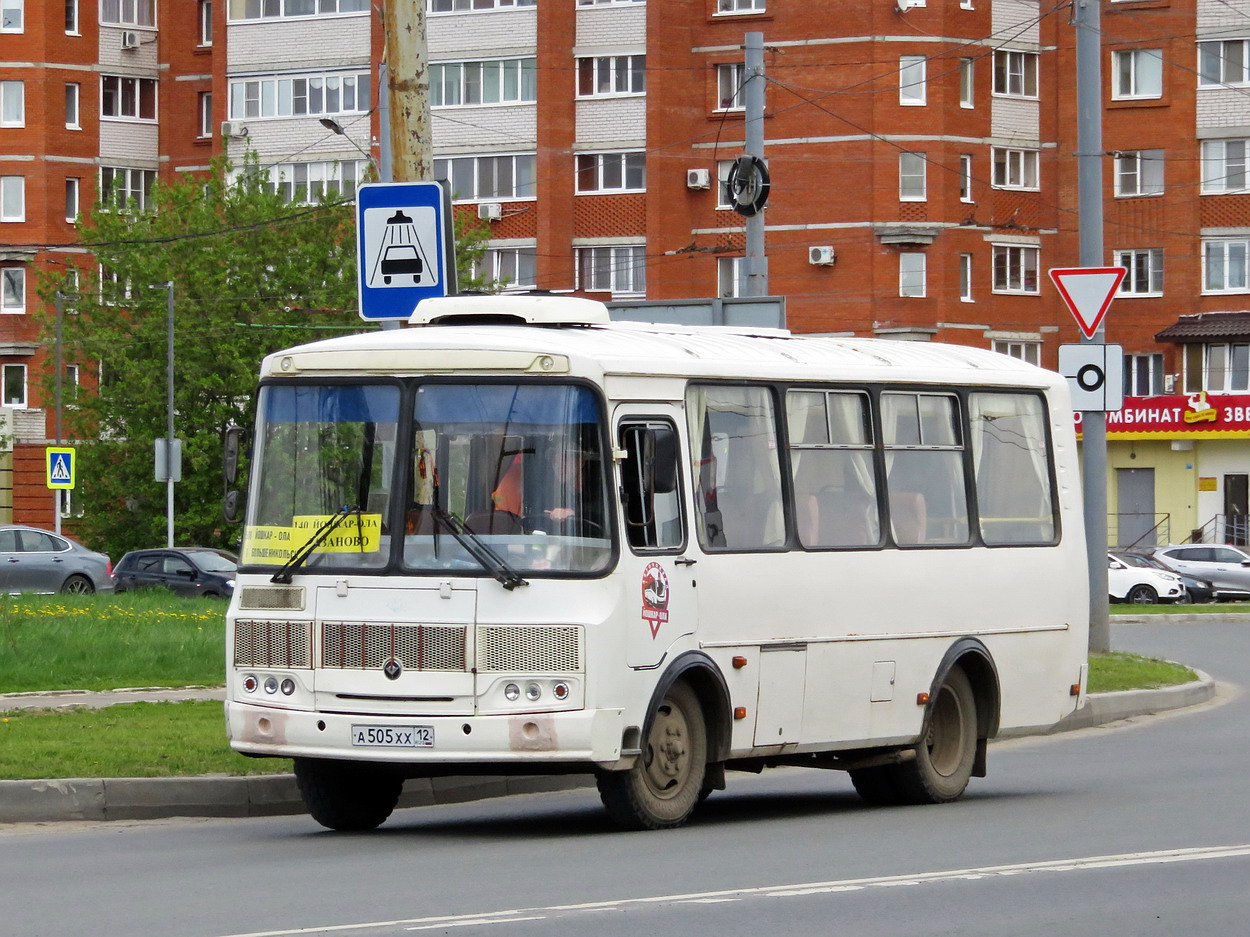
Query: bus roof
[{"x": 510, "y": 343}]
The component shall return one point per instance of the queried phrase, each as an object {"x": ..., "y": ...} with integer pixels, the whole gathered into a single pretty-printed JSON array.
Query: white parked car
[{"x": 1141, "y": 585}]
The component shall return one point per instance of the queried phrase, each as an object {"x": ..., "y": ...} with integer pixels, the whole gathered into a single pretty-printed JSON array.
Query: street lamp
[{"x": 335, "y": 127}]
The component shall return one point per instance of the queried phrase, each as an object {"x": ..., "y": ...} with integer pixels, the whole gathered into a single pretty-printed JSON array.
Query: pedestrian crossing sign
[{"x": 61, "y": 466}]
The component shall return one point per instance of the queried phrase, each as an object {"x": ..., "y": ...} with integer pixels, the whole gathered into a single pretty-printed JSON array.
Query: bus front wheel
[
  {"x": 345, "y": 796},
  {"x": 945, "y": 755},
  {"x": 662, "y": 788}
]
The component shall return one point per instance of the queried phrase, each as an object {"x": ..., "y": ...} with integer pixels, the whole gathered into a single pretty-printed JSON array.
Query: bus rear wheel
[
  {"x": 662, "y": 788},
  {"x": 345, "y": 796},
  {"x": 945, "y": 755}
]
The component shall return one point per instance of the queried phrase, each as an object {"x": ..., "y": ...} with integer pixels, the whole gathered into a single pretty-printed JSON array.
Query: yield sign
[{"x": 1088, "y": 292}]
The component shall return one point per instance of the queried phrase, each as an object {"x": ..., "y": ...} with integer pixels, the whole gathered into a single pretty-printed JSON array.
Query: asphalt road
[{"x": 1138, "y": 829}]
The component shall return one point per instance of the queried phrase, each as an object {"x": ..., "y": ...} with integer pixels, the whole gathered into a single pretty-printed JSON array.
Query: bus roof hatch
[{"x": 502, "y": 310}]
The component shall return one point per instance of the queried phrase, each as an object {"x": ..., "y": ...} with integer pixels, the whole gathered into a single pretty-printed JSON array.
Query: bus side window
[
  {"x": 924, "y": 468},
  {"x": 650, "y": 487}
]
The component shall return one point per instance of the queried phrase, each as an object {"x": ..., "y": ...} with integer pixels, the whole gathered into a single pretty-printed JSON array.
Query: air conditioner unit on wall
[
  {"x": 698, "y": 179},
  {"x": 490, "y": 211},
  {"x": 130, "y": 40},
  {"x": 233, "y": 128},
  {"x": 824, "y": 256}
]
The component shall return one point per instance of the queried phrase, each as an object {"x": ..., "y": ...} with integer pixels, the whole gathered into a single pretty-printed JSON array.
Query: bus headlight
[
  {"x": 287, "y": 686},
  {"x": 533, "y": 692},
  {"x": 271, "y": 685},
  {"x": 512, "y": 692}
]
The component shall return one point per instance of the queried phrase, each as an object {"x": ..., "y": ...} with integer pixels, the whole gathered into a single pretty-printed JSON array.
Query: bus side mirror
[
  {"x": 663, "y": 459},
  {"x": 230, "y": 455},
  {"x": 230, "y": 507}
]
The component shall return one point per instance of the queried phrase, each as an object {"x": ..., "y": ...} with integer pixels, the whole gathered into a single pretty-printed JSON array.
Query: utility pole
[
  {"x": 407, "y": 90},
  {"x": 753, "y": 92},
  {"x": 1086, "y": 16}
]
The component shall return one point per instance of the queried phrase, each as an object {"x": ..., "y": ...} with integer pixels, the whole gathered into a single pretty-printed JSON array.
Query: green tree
[{"x": 252, "y": 273}]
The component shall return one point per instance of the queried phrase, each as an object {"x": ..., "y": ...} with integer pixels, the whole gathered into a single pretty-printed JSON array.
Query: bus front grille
[
  {"x": 273, "y": 644},
  {"x": 290, "y": 598},
  {"x": 354, "y": 645},
  {"x": 521, "y": 649}
]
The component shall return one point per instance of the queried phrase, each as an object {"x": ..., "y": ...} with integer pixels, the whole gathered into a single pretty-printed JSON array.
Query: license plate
[{"x": 393, "y": 736}]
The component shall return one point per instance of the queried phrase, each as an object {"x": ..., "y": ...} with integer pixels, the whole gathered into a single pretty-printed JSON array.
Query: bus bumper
[{"x": 532, "y": 739}]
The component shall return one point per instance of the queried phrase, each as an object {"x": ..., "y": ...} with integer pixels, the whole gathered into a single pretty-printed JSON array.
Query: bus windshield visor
[{"x": 517, "y": 469}]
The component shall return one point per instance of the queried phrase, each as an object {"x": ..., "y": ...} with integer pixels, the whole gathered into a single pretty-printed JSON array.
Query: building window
[
  {"x": 1145, "y": 271},
  {"x": 204, "y": 104},
  {"x": 71, "y": 17},
  {"x": 1025, "y": 351},
  {"x": 305, "y": 183},
  {"x": 1015, "y": 73},
  {"x": 730, "y": 85},
  {"x": 1138, "y": 172},
  {"x": 511, "y": 267},
  {"x": 740, "y": 6},
  {"x": 600, "y": 76},
  {"x": 616, "y": 270},
  {"x": 125, "y": 188},
  {"x": 469, "y": 6},
  {"x": 1223, "y": 166},
  {"x": 1143, "y": 375},
  {"x": 12, "y": 198},
  {"x": 472, "y": 84},
  {"x": 965, "y": 177},
  {"x": 911, "y": 177},
  {"x": 965, "y": 278},
  {"x": 72, "y": 90},
  {"x": 911, "y": 80},
  {"x": 966, "y": 87},
  {"x": 611, "y": 172},
  {"x": 12, "y": 290},
  {"x": 966, "y": 5},
  {"x": 15, "y": 386},
  {"x": 308, "y": 95},
  {"x": 1224, "y": 62},
  {"x": 132, "y": 98},
  {"x": 731, "y": 276},
  {"x": 1224, "y": 265},
  {"x": 12, "y": 104},
  {"x": 911, "y": 273},
  {"x": 724, "y": 196},
  {"x": 277, "y": 9},
  {"x": 128, "y": 12},
  {"x": 1137, "y": 73},
  {"x": 204, "y": 19},
  {"x": 487, "y": 177},
  {"x": 12, "y": 16},
  {"x": 71, "y": 198},
  {"x": 1220, "y": 367},
  {"x": 1015, "y": 268},
  {"x": 1015, "y": 169}
]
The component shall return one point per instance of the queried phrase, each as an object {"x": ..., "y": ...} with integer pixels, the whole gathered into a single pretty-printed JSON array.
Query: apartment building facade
[{"x": 921, "y": 156}]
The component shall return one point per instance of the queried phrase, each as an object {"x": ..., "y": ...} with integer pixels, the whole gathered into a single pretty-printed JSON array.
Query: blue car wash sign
[
  {"x": 61, "y": 466},
  {"x": 401, "y": 254}
]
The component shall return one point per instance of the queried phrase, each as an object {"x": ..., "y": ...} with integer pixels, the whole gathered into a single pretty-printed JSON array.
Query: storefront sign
[
  {"x": 1208, "y": 483},
  {"x": 1180, "y": 416}
]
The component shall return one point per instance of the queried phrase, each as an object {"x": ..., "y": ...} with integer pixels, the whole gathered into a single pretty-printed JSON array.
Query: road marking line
[{"x": 1160, "y": 857}]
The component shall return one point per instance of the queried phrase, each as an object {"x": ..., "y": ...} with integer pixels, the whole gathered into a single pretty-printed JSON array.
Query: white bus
[{"x": 523, "y": 539}]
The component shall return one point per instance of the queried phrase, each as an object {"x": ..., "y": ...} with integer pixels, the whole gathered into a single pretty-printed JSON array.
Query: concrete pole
[
  {"x": 169, "y": 415},
  {"x": 408, "y": 90},
  {"x": 1086, "y": 16},
  {"x": 60, "y": 372},
  {"x": 753, "y": 94}
]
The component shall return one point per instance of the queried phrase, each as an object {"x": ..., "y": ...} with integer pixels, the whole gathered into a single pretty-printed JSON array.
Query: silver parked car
[
  {"x": 1226, "y": 568},
  {"x": 33, "y": 560}
]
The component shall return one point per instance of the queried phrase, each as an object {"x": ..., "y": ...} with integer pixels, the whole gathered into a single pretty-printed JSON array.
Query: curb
[{"x": 48, "y": 800}]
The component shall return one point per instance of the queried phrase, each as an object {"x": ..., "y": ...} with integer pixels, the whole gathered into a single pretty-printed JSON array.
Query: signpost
[{"x": 403, "y": 249}]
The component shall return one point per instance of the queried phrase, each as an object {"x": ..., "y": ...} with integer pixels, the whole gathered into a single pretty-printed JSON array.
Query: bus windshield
[{"x": 515, "y": 468}]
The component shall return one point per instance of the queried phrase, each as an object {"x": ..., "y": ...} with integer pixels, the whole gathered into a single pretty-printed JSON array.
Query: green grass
[
  {"x": 102, "y": 642},
  {"x": 1118, "y": 671},
  {"x": 1206, "y": 608},
  {"x": 131, "y": 740}
]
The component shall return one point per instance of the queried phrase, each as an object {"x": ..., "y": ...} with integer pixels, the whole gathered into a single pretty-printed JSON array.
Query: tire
[
  {"x": 346, "y": 796},
  {"x": 1142, "y": 594},
  {"x": 77, "y": 585},
  {"x": 944, "y": 758},
  {"x": 662, "y": 788}
]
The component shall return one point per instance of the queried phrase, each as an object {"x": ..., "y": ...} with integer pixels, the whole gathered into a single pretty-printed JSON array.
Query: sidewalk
[{"x": 48, "y": 800}]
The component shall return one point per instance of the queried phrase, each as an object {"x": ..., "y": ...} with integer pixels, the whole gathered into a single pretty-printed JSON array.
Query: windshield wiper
[
  {"x": 491, "y": 561},
  {"x": 297, "y": 558}
]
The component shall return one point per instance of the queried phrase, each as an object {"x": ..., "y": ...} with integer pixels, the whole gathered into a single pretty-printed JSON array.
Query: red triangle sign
[{"x": 1087, "y": 291}]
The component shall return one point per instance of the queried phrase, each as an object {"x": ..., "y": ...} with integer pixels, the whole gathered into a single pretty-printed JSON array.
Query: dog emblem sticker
[{"x": 654, "y": 597}]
